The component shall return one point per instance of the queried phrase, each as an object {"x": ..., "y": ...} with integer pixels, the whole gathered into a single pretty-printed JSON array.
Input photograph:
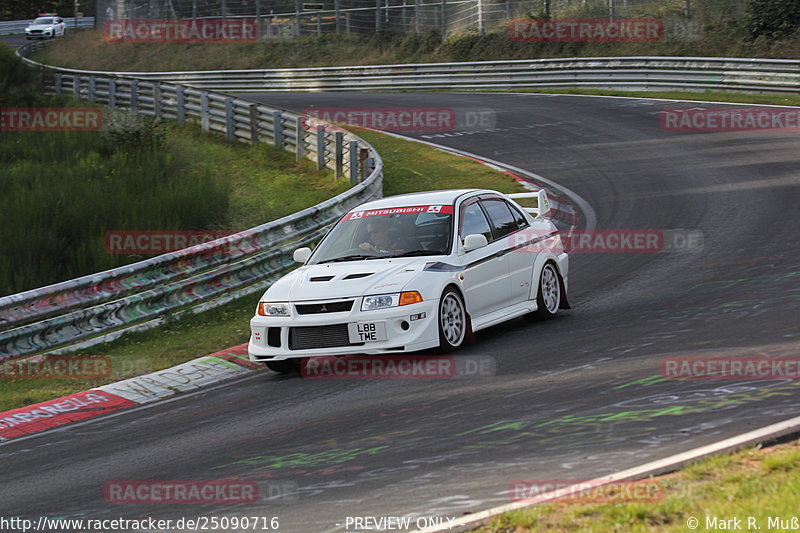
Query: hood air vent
[
  {"x": 321, "y": 278},
  {"x": 356, "y": 276}
]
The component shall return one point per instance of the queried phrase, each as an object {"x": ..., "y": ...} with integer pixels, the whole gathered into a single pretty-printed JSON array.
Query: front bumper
[
  {"x": 39, "y": 34},
  {"x": 268, "y": 344}
]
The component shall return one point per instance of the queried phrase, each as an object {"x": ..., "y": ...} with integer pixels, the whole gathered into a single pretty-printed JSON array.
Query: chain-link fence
[{"x": 295, "y": 18}]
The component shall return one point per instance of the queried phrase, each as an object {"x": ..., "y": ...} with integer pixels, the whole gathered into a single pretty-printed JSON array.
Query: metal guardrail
[
  {"x": 14, "y": 27},
  {"x": 631, "y": 73},
  {"x": 108, "y": 302}
]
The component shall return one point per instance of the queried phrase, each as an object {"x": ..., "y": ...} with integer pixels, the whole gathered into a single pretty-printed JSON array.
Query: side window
[
  {"x": 518, "y": 216},
  {"x": 503, "y": 221},
  {"x": 474, "y": 221}
]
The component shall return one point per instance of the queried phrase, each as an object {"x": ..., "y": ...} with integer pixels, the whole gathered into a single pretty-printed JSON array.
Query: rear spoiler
[{"x": 542, "y": 202}]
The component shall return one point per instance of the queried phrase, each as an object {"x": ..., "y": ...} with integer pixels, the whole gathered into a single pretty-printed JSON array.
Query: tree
[{"x": 773, "y": 19}]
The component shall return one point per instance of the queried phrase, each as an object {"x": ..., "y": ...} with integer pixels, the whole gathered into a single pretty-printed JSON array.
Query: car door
[
  {"x": 486, "y": 284},
  {"x": 511, "y": 227}
]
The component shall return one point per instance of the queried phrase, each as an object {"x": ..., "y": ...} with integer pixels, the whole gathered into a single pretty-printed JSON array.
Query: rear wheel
[
  {"x": 452, "y": 321},
  {"x": 287, "y": 366},
  {"x": 548, "y": 299}
]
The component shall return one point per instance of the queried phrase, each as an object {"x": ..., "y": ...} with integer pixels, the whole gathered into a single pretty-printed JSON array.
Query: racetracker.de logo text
[
  {"x": 585, "y": 30},
  {"x": 181, "y": 31},
  {"x": 50, "y": 119}
]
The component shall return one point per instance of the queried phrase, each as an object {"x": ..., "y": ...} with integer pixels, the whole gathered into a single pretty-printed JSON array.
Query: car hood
[
  {"x": 39, "y": 26},
  {"x": 346, "y": 280}
]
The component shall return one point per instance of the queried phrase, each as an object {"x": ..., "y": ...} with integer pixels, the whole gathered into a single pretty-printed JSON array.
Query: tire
[
  {"x": 286, "y": 366},
  {"x": 452, "y": 319},
  {"x": 548, "y": 298}
]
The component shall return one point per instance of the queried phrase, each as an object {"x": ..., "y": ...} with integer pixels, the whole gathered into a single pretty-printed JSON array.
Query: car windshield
[
  {"x": 392, "y": 232},
  {"x": 43, "y": 20}
]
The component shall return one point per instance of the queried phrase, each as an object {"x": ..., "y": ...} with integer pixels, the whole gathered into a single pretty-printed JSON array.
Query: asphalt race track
[{"x": 571, "y": 399}]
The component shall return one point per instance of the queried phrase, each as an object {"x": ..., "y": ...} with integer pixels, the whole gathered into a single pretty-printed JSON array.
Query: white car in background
[
  {"x": 46, "y": 26},
  {"x": 413, "y": 272}
]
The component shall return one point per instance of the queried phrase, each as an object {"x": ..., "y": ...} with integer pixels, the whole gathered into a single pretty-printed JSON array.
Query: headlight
[
  {"x": 273, "y": 309},
  {"x": 383, "y": 301},
  {"x": 48, "y": 29}
]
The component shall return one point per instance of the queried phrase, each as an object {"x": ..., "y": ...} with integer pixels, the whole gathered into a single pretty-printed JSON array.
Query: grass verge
[
  {"x": 409, "y": 166},
  {"x": 170, "y": 179},
  {"x": 87, "y": 49},
  {"x": 756, "y": 483}
]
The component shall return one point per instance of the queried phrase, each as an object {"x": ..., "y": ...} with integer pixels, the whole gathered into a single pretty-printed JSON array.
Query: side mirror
[
  {"x": 473, "y": 241},
  {"x": 301, "y": 255}
]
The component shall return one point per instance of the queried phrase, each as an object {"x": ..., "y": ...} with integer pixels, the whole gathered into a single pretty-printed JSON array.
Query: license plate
[{"x": 367, "y": 331}]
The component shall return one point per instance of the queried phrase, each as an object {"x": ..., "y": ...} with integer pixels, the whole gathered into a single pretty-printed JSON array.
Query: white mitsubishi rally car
[{"x": 413, "y": 272}]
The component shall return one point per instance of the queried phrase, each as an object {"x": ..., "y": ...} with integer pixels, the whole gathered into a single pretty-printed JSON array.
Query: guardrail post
[
  {"x": 277, "y": 128},
  {"x": 134, "y": 96},
  {"x": 180, "y": 104},
  {"x": 444, "y": 19},
  {"x": 300, "y": 149},
  {"x": 230, "y": 125},
  {"x": 336, "y": 9},
  {"x": 339, "y": 153},
  {"x": 57, "y": 87},
  {"x": 204, "y": 111},
  {"x": 353, "y": 162},
  {"x": 90, "y": 95},
  {"x": 363, "y": 154},
  {"x": 253, "y": 112},
  {"x": 157, "y": 100},
  {"x": 320, "y": 147},
  {"x": 377, "y": 16},
  {"x": 416, "y": 16},
  {"x": 112, "y": 93},
  {"x": 296, "y": 29},
  {"x": 76, "y": 87}
]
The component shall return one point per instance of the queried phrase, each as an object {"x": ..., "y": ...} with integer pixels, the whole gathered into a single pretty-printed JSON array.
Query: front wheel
[
  {"x": 452, "y": 321},
  {"x": 286, "y": 366}
]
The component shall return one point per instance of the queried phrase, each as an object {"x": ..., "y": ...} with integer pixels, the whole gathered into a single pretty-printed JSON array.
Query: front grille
[
  {"x": 310, "y": 337},
  {"x": 327, "y": 307}
]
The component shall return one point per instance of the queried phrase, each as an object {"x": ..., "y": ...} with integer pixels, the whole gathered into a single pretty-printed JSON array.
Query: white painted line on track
[
  {"x": 660, "y": 466},
  {"x": 651, "y": 99}
]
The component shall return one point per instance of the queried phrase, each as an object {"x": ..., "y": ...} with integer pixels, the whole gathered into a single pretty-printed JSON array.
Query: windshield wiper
[
  {"x": 346, "y": 258},
  {"x": 418, "y": 252}
]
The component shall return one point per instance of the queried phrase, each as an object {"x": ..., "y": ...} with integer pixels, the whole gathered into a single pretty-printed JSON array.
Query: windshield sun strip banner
[{"x": 438, "y": 209}]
